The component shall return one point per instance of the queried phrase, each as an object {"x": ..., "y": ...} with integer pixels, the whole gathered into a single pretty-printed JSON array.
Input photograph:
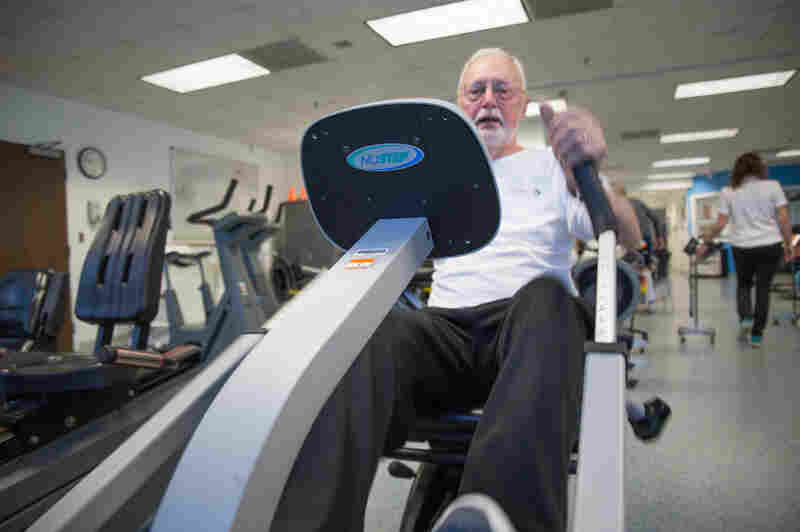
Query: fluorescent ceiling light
[
  {"x": 205, "y": 74},
  {"x": 699, "y": 135},
  {"x": 742, "y": 83},
  {"x": 456, "y": 18},
  {"x": 557, "y": 105},
  {"x": 671, "y": 185},
  {"x": 673, "y": 175},
  {"x": 689, "y": 161},
  {"x": 788, "y": 153}
]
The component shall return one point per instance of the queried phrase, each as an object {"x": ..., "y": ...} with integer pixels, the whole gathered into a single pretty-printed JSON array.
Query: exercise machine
[
  {"x": 252, "y": 237},
  {"x": 272, "y": 383},
  {"x": 301, "y": 250},
  {"x": 691, "y": 250},
  {"x": 792, "y": 317},
  {"x": 32, "y": 305},
  {"x": 62, "y": 413},
  {"x": 179, "y": 332},
  {"x": 241, "y": 307}
]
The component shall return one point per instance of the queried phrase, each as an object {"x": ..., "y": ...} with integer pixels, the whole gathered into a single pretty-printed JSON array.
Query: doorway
[{"x": 33, "y": 212}]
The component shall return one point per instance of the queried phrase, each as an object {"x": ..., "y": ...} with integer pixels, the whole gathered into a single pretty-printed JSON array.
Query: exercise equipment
[
  {"x": 242, "y": 306},
  {"x": 32, "y": 304},
  {"x": 62, "y": 413},
  {"x": 792, "y": 317},
  {"x": 179, "y": 332},
  {"x": 252, "y": 236},
  {"x": 383, "y": 180},
  {"x": 691, "y": 250},
  {"x": 438, "y": 477},
  {"x": 301, "y": 250}
]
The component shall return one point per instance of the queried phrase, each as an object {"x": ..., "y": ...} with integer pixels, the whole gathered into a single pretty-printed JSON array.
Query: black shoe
[
  {"x": 474, "y": 512},
  {"x": 656, "y": 414}
]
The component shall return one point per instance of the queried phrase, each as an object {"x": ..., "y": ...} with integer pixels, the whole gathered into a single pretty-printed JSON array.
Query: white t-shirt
[
  {"x": 751, "y": 212},
  {"x": 539, "y": 221}
]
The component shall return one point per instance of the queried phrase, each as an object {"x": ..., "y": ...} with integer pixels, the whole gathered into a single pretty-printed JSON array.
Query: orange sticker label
[{"x": 359, "y": 264}]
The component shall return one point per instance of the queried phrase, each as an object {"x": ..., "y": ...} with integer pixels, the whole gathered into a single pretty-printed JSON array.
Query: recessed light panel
[
  {"x": 456, "y": 18},
  {"x": 689, "y": 161},
  {"x": 699, "y": 135},
  {"x": 672, "y": 175},
  {"x": 205, "y": 74},
  {"x": 737, "y": 84}
]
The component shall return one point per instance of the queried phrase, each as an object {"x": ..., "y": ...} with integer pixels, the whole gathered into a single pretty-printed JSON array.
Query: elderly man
[{"x": 504, "y": 329}]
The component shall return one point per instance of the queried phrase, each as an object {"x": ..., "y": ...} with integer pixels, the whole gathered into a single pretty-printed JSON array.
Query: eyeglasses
[{"x": 503, "y": 90}]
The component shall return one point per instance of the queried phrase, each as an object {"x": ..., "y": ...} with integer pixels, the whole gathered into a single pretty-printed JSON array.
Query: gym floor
[{"x": 729, "y": 459}]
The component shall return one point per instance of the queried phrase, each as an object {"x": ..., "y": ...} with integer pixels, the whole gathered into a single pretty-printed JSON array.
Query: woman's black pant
[
  {"x": 760, "y": 262},
  {"x": 522, "y": 358}
]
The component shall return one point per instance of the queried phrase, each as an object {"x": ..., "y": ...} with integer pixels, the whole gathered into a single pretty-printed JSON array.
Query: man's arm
[{"x": 576, "y": 136}]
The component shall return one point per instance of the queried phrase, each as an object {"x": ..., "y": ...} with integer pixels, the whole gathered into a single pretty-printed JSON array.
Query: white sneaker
[{"x": 474, "y": 512}]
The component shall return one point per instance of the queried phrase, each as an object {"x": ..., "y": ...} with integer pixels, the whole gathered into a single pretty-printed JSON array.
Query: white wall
[{"x": 137, "y": 152}]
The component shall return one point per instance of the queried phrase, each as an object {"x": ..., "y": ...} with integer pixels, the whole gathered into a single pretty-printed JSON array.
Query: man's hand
[
  {"x": 575, "y": 136},
  {"x": 788, "y": 254}
]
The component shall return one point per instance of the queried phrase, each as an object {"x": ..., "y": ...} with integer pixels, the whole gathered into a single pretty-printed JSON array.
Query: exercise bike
[
  {"x": 241, "y": 306},
  {"x": 245, "y": 443}
]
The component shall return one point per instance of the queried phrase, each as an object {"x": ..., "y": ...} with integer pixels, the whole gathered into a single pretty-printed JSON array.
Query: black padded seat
[
  {"x": 184, "y": 260},
  {"x": 121, "y": 278},
  {"x": 31, "y": 309}
]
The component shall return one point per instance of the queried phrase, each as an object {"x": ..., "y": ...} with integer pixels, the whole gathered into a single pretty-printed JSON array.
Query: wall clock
[{"x": 92, "y": 163}]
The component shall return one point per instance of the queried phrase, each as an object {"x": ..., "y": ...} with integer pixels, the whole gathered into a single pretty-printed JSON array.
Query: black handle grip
[
  {"x": 267, "y": 197},
  {"x": 594, "y": 197},
  {"x": 199, "y": 217},
  {"x": 251, "y": 205}
]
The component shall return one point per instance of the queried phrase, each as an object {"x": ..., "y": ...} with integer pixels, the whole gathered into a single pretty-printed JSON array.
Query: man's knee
[
  {"x": 545, "y": 291},
  {"x": 400, "y": 325}
]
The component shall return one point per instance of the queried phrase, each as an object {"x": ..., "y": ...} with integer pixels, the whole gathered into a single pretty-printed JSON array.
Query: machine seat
[
  {"x": 31, "y": 309},
  {"x": 184, "y": 260}
]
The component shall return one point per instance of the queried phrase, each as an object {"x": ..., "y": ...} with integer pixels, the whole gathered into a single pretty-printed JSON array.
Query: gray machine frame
[{"x": 269, "y": 400}]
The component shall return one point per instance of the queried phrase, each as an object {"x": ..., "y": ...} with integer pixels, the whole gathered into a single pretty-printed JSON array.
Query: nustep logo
[{"x": 385, "y": 157}]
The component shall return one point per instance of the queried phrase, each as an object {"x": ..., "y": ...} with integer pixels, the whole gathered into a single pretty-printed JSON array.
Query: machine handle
[
  {"x": 200, "y": 217},
  {"x": 594, "y": 197},
  {"x": 267, "y": 197}
]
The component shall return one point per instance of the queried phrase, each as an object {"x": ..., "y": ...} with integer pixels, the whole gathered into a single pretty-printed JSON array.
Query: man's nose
[{"x": 489, "y": 97}]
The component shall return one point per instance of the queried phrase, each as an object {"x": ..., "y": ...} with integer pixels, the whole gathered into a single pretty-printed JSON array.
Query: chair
[{"x": 31, "y": 309}]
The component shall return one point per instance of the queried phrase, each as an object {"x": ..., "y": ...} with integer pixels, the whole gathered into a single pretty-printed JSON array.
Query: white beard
[{"x": 498, "y": 137}]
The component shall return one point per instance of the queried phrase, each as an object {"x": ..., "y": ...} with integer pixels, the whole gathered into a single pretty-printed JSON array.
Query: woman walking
[{"x": 756, "y": 208}]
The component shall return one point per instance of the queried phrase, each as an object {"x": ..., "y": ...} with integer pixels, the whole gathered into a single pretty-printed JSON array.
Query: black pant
[
  {"x": 523, "y": 357},
  {"x": 762, "y": 262}
]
